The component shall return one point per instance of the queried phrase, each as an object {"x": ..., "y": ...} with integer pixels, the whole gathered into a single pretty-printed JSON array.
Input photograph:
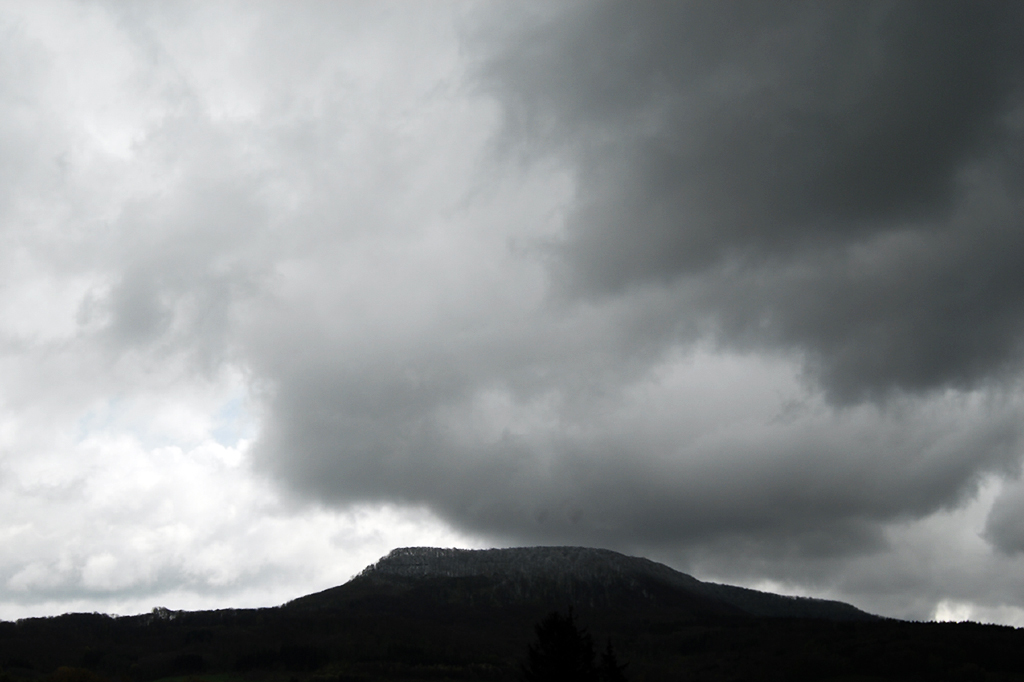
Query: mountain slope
[{"x": 559, "y": 576}]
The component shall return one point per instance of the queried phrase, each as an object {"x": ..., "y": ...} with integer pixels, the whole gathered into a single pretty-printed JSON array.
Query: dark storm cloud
[
  {"x": 844, "y": 175},
  {"x": 608, "y": 469},
  {"x": 825, "y": 188}
]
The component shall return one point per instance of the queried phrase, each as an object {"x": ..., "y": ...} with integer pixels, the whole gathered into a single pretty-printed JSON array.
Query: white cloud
[
  {"x": 276, "y": 297},
  {"x": 112, "y": 525}
]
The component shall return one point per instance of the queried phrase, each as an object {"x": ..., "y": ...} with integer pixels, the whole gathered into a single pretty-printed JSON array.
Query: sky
[{"x": 735, "y": 286}]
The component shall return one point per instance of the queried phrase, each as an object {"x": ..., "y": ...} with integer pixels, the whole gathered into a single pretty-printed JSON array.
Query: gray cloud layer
[
  {"x": 734, "y": 283},
  {"x": 844, "y": 178}
]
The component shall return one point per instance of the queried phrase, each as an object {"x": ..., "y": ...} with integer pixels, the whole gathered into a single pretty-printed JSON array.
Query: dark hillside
[{"x": 425, "y": 614}]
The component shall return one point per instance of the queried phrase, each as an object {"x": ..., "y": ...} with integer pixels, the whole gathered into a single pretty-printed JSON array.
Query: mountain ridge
[{"x": 563, "y": 574}]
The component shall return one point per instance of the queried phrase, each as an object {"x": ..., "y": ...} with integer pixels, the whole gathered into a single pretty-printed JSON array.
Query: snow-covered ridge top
[
  {"x": 520, "y": 562},
  {"x": 599, "y": 567}
]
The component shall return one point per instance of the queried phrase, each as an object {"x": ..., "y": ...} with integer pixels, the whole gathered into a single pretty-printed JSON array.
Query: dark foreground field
[
  {"x": 374, "y": 642},
  {"x": 414, "y": 624}
]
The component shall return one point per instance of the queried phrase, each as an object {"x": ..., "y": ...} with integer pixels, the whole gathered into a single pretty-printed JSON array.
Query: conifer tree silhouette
[
  {"x": 564, "y": 652},
  {"x": 609, "y": 670}
]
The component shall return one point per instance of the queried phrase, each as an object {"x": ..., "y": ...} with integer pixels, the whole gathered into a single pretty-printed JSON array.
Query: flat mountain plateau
[{"x": 448, "y": 614}]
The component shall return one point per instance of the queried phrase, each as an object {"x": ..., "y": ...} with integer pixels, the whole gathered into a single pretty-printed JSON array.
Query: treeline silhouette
[{"x": 381, "y": 636}]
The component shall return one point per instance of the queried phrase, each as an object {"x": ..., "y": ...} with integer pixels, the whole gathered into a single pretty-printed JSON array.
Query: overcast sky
[{"x": 737, "y": 286}]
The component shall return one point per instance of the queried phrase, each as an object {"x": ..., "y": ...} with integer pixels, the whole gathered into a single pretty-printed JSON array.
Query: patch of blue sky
[
  {"x": 233, "y": 423},
  {"x": 101, "y": 419},
  {"x": 152, "y": 427}
]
